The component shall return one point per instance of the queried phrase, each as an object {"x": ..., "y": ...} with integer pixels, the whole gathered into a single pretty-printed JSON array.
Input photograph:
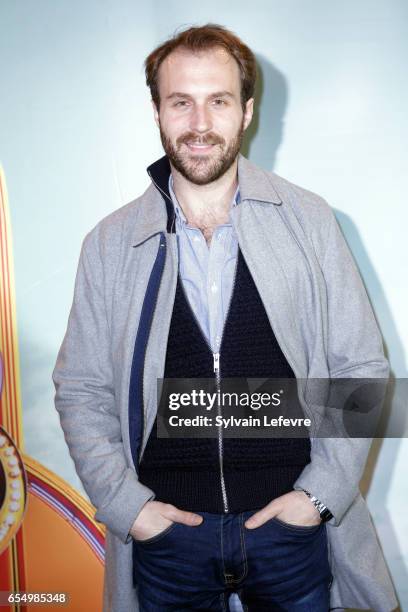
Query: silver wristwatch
[{"x": 324, "y": 512}]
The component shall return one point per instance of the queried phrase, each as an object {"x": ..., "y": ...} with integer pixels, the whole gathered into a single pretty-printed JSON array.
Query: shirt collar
[{"x": 179, "y": 212}]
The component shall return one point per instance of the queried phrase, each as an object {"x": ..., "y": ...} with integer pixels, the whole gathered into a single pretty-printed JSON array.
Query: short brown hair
[{"x": 199, "y": 39}]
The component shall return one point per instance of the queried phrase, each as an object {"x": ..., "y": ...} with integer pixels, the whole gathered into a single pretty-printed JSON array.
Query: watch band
[{"x": 324, "y": 512}]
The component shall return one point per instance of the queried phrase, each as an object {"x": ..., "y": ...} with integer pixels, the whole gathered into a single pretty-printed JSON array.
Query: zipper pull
[{"x": 216, "y": 362}]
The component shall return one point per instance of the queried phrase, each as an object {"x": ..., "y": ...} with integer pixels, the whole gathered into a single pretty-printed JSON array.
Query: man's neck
[{"x": 206, "y": 206}]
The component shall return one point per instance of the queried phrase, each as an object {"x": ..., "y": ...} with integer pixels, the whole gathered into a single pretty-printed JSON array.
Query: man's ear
[
  {"x": 156, "y": 113},
  {"x": 249, "y": 111}
]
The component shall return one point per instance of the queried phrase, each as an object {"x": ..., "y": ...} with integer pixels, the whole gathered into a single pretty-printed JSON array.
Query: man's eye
[
  {"x": 181, "y": 103},
  {"x": 219, "y": 102}
]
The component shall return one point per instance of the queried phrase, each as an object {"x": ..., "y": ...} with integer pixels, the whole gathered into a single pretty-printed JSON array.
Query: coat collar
[{"x": 254, "y": 184}]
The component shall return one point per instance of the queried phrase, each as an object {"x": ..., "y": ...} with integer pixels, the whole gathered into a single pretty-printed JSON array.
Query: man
[{"x": 218, "y": 270}]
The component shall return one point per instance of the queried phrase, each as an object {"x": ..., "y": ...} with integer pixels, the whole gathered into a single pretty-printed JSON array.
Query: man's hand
[
  {"x": 156, "y": 516},
  {"x": 294, "y": 508}
]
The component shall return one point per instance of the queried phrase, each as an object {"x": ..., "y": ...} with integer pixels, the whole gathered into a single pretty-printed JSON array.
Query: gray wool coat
[{"x": 321, "y": 316}]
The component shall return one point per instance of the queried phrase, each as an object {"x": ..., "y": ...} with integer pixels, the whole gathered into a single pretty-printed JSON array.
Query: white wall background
[{"x": 76, "y": 134}]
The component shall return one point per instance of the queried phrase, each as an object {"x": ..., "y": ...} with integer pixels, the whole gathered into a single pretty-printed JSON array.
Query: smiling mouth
[{"x": 194, "y": 146}]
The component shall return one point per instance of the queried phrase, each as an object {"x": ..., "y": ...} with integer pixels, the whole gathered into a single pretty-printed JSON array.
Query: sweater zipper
[
  {"x": 216, "y": 357},
  {"x": 217, "y": 372}
]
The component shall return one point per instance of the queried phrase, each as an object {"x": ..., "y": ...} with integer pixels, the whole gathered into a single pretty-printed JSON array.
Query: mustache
[{"x": 190, "y": 137}]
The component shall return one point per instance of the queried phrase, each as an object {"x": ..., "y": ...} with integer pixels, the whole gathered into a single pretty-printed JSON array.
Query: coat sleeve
[
  {"x": 85, "y": 401},
  {"x": 354, "y": 350}
]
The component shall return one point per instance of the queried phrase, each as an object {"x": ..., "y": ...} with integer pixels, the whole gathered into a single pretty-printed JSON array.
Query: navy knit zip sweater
[{"x": 186, "y": 472}]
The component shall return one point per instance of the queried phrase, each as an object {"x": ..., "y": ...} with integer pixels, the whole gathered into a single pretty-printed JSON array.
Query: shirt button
[{"x": 214, "y": 288}]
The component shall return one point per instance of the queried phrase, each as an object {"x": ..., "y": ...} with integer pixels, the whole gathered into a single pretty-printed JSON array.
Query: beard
[{"x": 202, "y": 169}]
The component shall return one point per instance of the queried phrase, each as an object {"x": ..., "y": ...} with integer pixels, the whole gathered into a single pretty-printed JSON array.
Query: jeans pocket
[
  {"x": 297, "y": 528},
  {"x": 156, "y": 537}
]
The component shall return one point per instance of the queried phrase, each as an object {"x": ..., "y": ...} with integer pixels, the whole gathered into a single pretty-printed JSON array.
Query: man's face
[{"x": 201, "y": 119}]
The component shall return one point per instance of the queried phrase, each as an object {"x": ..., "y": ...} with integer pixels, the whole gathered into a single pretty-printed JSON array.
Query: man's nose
[{"x": 200, "y": 119}]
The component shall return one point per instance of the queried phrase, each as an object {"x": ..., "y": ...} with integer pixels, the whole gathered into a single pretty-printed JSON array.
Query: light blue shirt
[{"x": 207, "y": 273}]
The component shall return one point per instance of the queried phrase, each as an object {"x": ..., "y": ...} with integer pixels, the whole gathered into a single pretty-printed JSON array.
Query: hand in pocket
[{"x": 157, "y": 517}]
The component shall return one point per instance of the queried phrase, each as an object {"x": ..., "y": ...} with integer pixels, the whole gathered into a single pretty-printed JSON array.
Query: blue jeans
[{"x": 275, "y": 567}]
